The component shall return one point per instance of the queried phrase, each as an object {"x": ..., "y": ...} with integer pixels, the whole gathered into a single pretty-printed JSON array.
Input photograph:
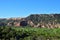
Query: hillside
[{"x": 36, "y": 18}]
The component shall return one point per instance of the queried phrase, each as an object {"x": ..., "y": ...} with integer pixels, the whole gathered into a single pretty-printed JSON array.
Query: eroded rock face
[
  {"x": 23, "y": 22},
  {"x": 30, "y": 23},
  {"x": 16, "y": 23}
]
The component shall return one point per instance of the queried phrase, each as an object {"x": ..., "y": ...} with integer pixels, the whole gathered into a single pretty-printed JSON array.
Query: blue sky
[{"x": 23, "y": 8}]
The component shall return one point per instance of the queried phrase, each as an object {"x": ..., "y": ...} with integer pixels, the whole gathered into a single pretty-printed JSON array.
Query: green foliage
[
  {"x": 36, "y": 18},
  {"x": 29, "y": 33}
]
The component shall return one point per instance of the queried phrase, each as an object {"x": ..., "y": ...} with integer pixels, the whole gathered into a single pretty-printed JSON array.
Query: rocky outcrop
[{"x": 34, "y": 20}]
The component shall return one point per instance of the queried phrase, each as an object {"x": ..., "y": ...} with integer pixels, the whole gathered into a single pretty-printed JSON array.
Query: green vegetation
[
  {"x": 29, "y": 33},
  {"x": 36, "y": 18}
]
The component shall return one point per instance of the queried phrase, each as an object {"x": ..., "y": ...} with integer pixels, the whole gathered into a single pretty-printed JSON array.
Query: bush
[{"x": 28, "y": 33}]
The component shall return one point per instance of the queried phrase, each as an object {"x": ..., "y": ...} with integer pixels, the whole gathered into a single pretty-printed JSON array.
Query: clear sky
[{"x": 23, "y": 8}]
